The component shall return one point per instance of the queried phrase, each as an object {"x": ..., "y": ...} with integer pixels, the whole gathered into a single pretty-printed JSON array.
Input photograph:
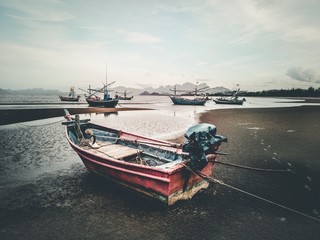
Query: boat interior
[{"x": 108, "y": 143}]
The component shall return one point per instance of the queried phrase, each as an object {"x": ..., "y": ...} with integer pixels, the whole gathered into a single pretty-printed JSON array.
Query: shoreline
[{"x": 9, "y": 116}]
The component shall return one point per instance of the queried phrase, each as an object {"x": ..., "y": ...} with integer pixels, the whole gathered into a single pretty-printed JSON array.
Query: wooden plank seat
[{"x": 116, "y": 151}]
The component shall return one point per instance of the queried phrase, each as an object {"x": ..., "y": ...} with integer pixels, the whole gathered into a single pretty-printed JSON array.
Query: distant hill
[
  {"x": 219, "y": 91},
  {"x": 33, "y": 91},
  {"x": 168, "y": 89},
  {"x": 162, "y": 90},
  {"x": 183, "y": 88},
  {"x": 144, "y": 93}
]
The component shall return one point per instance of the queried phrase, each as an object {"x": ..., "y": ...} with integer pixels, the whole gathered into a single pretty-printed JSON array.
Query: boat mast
[
  {"x": 196, "y": 89},
  {"x": 106, "y": 74},
  {"x": 106, "y": 94}
]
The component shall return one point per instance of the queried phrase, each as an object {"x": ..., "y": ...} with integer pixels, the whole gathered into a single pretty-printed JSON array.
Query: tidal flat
[{"x": 47, "y": 193}]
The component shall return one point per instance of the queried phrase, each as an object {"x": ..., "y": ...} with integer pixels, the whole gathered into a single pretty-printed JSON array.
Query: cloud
[
  {"x": 26, "y": 10},
  {"x": 236, "y": 61},
  {"x": 304, "y": 75},
  {"x": 288, "y": 20},
  {"x": 136, "y": 37},
  {"x": 201, "y": 63}
]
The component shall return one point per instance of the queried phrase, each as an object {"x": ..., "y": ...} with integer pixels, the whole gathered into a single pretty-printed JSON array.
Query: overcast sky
[{"x": 258, "y": 44}]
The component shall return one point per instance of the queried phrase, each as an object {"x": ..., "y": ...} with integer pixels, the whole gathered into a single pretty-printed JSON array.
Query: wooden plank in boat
[{"x": 118, "y": 151}]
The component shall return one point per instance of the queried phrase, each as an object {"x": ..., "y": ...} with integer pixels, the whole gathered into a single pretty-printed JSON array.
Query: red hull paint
[{"x": 164, "y": 184}]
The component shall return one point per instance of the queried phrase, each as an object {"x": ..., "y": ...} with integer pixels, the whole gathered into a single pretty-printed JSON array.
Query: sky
[{"x": 258, "y": 44}]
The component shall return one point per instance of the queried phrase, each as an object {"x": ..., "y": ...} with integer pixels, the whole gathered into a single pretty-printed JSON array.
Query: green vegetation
[{"x": 294, "y": 92}]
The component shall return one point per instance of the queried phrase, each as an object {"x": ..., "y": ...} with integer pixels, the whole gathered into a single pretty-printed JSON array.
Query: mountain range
[
  {"x": 169, "y": 89},
  {"x": 162, "y": 90}
]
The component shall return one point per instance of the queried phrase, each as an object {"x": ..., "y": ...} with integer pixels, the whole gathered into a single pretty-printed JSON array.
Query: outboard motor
[{"x": 201, "y": 141}]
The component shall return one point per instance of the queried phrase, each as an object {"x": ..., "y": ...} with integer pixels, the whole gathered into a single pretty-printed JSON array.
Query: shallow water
[{"x": 28, "y": 152}]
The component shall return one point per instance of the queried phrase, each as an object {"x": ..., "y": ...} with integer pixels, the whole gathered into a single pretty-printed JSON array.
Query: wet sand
[{"x": 76, "y": 204}]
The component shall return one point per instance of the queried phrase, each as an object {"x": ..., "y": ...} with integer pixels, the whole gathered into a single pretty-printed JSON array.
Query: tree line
[{"x": 294, "y": 92}]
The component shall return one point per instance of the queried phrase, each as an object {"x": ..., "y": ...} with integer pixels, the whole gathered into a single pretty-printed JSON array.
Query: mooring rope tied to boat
[
  {"x": 213, "y": 180},
  {"x": 265, "y": 200},
  {"x": 253, "y": 168}
]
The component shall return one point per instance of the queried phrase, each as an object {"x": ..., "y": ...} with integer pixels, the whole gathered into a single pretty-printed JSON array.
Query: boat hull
[
  {"x": 102, "y": 103},
  {"x": 69, "y": 99},
  {"x": 124, "y": 98},
  {"x": 166, "y": 187},
  {"x": 168, "y": 183},
  {"x": 238, "y": 102},
  {"x": 186, "y": 101}
]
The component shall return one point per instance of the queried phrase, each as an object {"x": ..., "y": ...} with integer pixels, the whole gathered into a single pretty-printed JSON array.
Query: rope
[
  {"x": 213, "y": 180},
  {"x": 266, "y": 200},
  {"x": 46, "y": 124},
  {"x": 253, "y": 168}
]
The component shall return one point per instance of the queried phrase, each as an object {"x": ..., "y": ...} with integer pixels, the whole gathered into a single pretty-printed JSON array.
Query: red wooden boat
[{"x": 156, "y": 168}]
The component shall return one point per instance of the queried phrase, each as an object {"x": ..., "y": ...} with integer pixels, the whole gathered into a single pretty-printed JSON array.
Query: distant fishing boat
[
  {"x": 94, "y": 101},
  {"x": 230, "y": 99},
  {"x": 186, "y": 101},
  {"x": 179, "y": 100},
  {"x": 106, "y": 102},
  {"x": 159, "y": 169},
  {"x": 71, "y": 97},
  {"x": 123, "y": 96}
]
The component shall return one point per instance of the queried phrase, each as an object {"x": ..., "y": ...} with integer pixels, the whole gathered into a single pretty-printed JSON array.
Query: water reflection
[{"x": 110, "y": 114}]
